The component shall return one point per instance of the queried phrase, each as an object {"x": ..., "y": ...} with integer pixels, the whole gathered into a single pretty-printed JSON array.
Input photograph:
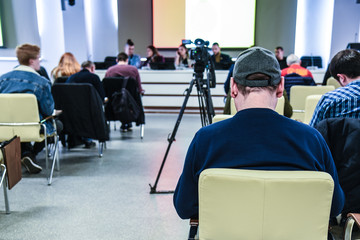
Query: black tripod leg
[{"x": 171, "y": 139}]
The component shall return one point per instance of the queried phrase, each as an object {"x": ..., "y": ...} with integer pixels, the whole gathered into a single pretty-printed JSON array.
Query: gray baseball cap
[{"x": 257, "y": 60}]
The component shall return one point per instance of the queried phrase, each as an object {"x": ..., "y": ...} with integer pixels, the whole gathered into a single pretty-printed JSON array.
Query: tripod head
[{"x": 203, "y": 62}]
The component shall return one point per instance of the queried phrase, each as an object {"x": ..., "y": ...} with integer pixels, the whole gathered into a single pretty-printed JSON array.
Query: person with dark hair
[
  {"x": 256, "y": 137},
  {"x": 134, "y": 59},
  {"x": 124, "y": 70},
  {"x": 279, "y": 54},
  {"x": 344, "y": 101},
  {"x": 152, "y": 56},
  {"x": 87, "y": 75},
  {"x": 182, "y": 58},
  {"x": 25, "y": 79},
  {"x": 221, "y": 60}
]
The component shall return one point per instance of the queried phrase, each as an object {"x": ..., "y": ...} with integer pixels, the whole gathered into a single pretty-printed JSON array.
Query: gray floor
[{"x": 108, "y": 197}]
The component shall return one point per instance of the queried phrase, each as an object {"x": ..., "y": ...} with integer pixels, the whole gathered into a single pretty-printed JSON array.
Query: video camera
[{"x": 202, "y": 59}]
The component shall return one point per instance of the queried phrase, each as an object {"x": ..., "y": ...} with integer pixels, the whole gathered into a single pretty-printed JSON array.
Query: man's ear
[
  {"x": 234, "y": 89},
  {"x": 280, "y": 88},
  {"x": 342, "y": 79}
]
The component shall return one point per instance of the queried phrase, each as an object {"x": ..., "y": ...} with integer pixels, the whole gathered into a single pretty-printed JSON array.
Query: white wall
[
  {"x": 313, "y": 28},
  {"x": 75, "y": 31},
  {"x": 101, "y": 29},
  {"x": 51, "y": 32},
  {"x": 346, "y": 25}
]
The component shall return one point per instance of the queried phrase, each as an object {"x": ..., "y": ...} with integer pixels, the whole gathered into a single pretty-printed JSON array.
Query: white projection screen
[{"x": 231, "y": 23}]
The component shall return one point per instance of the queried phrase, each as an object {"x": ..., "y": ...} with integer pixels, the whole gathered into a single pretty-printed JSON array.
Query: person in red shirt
[{"x": 294, "y": 62}]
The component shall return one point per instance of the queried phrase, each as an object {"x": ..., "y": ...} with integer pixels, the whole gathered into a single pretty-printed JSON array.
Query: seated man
[
  {"x": 279, "y": 53},
  {"x": 294, "y": 62},
  {"x": 256, "y": 137},
  {"x": 344, "y": 101},
  {"x": 25, "y": 79},
  {"x": 123, "y": 69},
  {"x": 87, "y": 75},
  {"x": 220, "y": 60}
]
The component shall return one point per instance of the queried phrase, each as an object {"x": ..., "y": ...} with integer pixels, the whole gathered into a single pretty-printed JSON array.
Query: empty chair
[
  {"x": 255, "y": 204},
  {"x": 82, "y": 111},
  {"x": 20, "y": 116},
  {"x": 298, "y": 96},
  {"x": 310, "y": 104},
  {"x": 115, "y": 84}
]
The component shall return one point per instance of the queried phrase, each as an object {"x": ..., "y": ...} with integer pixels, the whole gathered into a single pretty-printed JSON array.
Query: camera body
[{"x": 202, "y": 59}]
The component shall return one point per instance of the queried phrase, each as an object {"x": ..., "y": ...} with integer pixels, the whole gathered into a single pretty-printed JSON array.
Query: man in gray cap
[{"x": 256, "y": 137}]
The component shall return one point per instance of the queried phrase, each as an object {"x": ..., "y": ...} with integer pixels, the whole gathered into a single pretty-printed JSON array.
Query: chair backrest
[
  {"x": 61, "y": 80},
  {"x": 299, "y": 94},
  {"x": 19, "y": 108},
  {"x": 233, "y": 110},
  {"x": 294, "y": 79},
  {"x": 333, "y": 82},
  {"x": 82, "y": 110},
  {"x": 252, "y": 204},
  {"x": 280, "y": 105},
  {"x": 310, "y": 104},
  {"x": 114, "y": 84}
]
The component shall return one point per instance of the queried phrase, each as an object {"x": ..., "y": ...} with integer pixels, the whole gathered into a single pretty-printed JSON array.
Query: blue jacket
[
  {"x": 19, "y": 81},
  {"x": 257, "y": 138}
]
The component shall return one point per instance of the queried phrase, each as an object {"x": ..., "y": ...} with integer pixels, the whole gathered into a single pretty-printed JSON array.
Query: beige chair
[
  {"x": 271, "y": 205},
  {"x": 280, "y": 105},
  {"x": 20, "y": 116},
  {"x": 298, "y": 96},
  {"x": 333, "y": 82},
  {"x": 233, "y": 110},
  {"x": 310, "y": 104}
]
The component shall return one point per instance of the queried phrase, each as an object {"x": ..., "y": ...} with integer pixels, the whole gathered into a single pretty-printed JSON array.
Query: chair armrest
[{"x": 352, "y": 218}]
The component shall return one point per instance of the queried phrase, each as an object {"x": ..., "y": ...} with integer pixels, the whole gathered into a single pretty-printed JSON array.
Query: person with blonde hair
[{"x": 68, "y": 65}]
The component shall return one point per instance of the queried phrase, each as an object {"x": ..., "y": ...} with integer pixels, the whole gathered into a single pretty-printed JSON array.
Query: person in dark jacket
[{"x": 87, "y": 75}]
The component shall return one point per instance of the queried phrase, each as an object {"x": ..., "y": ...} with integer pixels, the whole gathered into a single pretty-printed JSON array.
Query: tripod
[{"x": 206, "y": 115}]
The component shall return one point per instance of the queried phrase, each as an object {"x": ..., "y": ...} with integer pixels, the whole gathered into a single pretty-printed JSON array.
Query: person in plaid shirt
[{"x": 344, "y": 101}]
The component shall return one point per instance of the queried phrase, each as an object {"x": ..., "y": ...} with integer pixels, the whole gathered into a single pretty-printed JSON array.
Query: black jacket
[{"x": 343, "y": 137}]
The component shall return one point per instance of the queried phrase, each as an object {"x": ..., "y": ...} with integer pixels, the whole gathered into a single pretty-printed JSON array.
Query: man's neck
[
  {"x": 122, "y": 63},
  {"x": 256, "y": 100}
]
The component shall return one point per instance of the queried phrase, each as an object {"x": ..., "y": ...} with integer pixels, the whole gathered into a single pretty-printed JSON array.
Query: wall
[
  {"x": 75, "y": 31},
  {"x": 346, "y": 24},
  {"x": 275, "y": 24},
  {"x": 135, "y": 22}
]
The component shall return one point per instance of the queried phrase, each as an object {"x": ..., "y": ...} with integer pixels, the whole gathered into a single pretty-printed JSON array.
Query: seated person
[
  {"x": 152, "y": 56},
  {"x": 25, "y": 79},
  {"x": 221, "y": 61},
  {"x": 87, "y": 75},
  {"x": 124, "y": 70},
  {"x": 68, "y": 65},
  {"x": 256, "y": 137},
  {"x": 134, "y": 59},
  {"x": 182, "y": 57},
  {"x": 294, "y": 62},
  {"x": 279, "y": 53}
]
